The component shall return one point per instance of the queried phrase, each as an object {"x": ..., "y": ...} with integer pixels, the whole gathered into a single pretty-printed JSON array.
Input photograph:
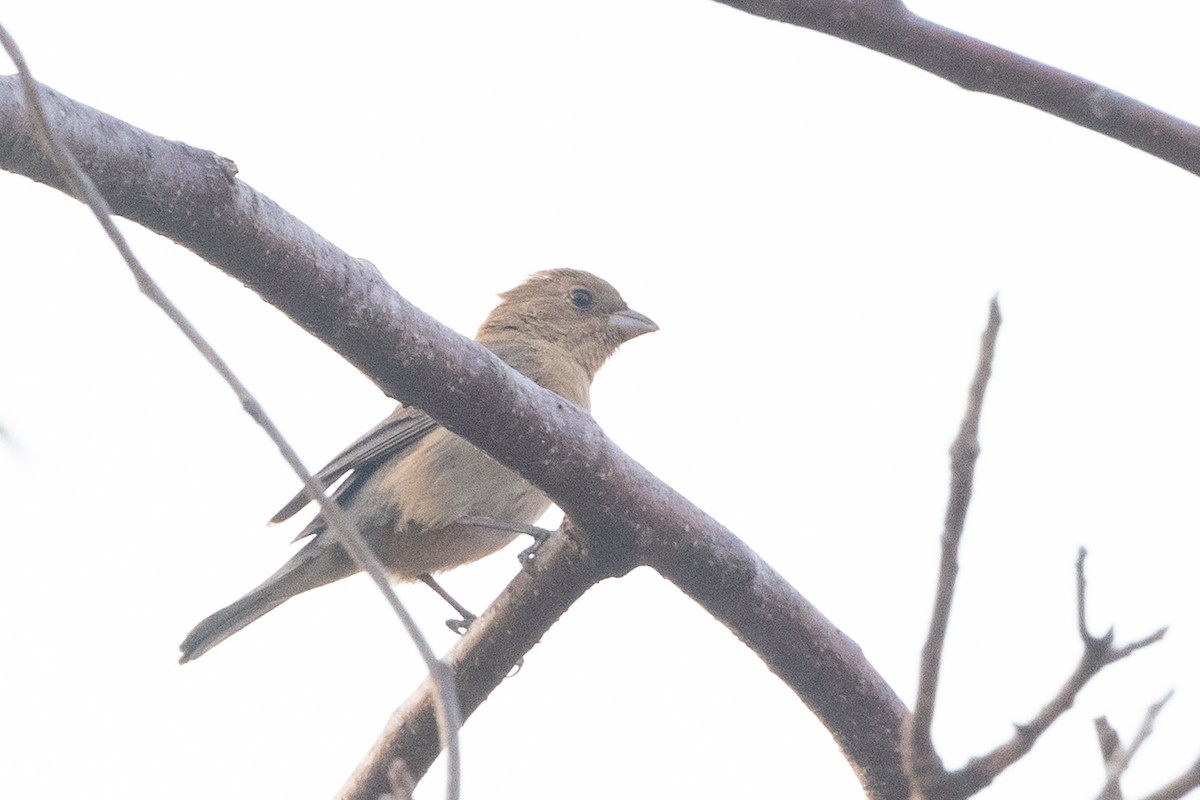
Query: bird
[{"x": 425, "y": 499}]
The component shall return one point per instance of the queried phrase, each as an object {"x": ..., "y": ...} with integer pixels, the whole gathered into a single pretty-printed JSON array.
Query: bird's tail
[{"x": 318, "y": 563}]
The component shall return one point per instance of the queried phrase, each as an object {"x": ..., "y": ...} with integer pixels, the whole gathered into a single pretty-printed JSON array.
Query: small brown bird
[{"x": 425, "y": 499}]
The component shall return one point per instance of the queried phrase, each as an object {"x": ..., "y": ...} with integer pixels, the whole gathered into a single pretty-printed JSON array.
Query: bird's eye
[{"x": 582, "y": 298}]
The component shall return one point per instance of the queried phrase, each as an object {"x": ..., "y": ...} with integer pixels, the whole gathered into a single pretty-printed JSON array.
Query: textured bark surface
[{"x": 623, "y": 515}]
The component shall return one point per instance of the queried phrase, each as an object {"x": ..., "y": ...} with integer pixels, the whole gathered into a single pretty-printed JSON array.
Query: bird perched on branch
[{"x": 425, "y": 499}]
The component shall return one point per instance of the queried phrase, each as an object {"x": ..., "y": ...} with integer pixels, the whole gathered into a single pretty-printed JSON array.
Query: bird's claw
[
  {"x": 460, "y": 626},
  {"x": 527, "y": 556}
]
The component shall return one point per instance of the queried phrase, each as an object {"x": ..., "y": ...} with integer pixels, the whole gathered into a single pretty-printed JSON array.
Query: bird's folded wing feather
[{"x": 399, "y": 432}]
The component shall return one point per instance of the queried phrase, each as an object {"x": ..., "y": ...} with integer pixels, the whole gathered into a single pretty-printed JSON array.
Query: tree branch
[
  {"x": 921, "y": 762},
  {"x": 507, "y": 630},
  {"x": 80, "y": 186},
  {"x": 1098, "y": 652},
  {"x": 194, "y": 198},
  {"x": 886, "y": 26},
  {"x": 1179, "y": 787},
  {"x": 1110, "y": 748},
  {"x": 929, "y": 778},
  {"x": 1116, "y": 758}
]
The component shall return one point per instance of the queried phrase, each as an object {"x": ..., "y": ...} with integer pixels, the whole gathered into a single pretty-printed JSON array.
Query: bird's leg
[
  {"x": 539, "y": 535},
  {"x": 510, "y": 527},
  {"x": 459, "y": 626},
  {"x": 526, "y": 556}
]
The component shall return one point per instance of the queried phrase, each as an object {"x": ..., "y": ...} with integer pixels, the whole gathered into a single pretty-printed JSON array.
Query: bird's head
[{"x": 570, "y": 310}]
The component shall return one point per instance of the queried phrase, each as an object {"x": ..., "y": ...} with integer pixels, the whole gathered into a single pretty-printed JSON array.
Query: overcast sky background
[{"x": 816, "y": 228}]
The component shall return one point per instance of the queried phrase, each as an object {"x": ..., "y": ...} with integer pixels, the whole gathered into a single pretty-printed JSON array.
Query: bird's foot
[
  {"x": 529, "y": 554},
  {"x": 459, "y": 626}
]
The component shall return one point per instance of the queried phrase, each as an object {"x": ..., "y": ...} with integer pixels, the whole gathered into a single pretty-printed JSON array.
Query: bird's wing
[{"x": 399, "y": 432}]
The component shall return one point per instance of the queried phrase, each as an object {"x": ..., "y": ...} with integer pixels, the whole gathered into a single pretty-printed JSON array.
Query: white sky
[{"x": 816, "y": 228}]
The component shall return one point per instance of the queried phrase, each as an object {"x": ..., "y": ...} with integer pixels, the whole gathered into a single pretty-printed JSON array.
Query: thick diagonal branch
[
  {"x": 194, "y": 198},
  {"x": 494, "y": 642}
]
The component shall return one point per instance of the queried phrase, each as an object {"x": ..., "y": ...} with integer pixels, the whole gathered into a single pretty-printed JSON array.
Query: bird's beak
[{"x": 629, "y": 324}]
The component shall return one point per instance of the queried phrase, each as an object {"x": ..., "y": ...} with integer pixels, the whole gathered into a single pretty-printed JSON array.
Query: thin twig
[
  {"x": 1098, "y": 653},
  {"x": 449, "y": 715},
  {"x": 1177, "y": 788},
  {"x": 1110, "y": 747},
  {"x": 929, "y": 778},
  {"x": 1099, "y": 649},
  {"x": 1107, "y": 738},
  {"x": 920, "y": 757},
  {"x": 1117, "y": 759}
]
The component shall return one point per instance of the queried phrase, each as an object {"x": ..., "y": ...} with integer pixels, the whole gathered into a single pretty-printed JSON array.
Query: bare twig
[
  {"x": 921, "y": 760},
  {"x": 1110, "y": 746},
  {"x": 929, "y": 778},
  {"x": 1098, "y": 652},
  {"x": 1107, "y": 738},
  {"x": 449, "y": 716},
  {"x": 886, "y": 26},
  {"x": 1116, "y": 758},
  {"x": 1179, "y": 787}
]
